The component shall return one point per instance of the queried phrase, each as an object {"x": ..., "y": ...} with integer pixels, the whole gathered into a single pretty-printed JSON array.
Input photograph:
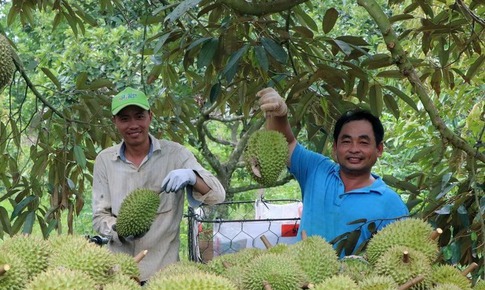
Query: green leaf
[
  {"x": 392, "y": 105},
  {"x": 329, "y": 19},
  {"x": 377, "y": 61},
  {"x": 215, "y": 92},
  {"x": 474, "y": 68},
  {"x": 6, "y": 226},
  {"x": 100, "y": 83},
  {"x": 343, "y": 46},
  {"x": 351, "y": 242},
  {"x": 362, "y": 89},
  {"x": 29, "y": 223},
  {"x": 403, "y": 97},
  {"x": 274, "y": 49},
  {"x": 375, "y": 99},
  {"x": 261, "y": 57},
  {"x": 161, "y": 41},
  {"x": 400, "y": 17},
  {"x": 207, "y": 52},
  {"x": 356, "y": 70},
  {"x": 79, "y": 156},
  {"x": 51, "y": 76},
  {"x": 81, "y": 80},
  {"x": 22, "y": 205},
  {"x": 231, "y": 67},
  {"x": 304, "y": 31},
  {"x": 181, "y": 9},
  {"x": 393, "y": 74},
  {"x": 305, "y": 18}
]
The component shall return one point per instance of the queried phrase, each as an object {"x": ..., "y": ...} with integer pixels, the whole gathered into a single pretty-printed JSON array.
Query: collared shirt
[
  {"x": 115, "y": 177},
  {"x": 328, "y": 209}
]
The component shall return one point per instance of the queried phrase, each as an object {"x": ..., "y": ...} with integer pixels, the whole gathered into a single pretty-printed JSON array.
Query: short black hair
[{"x": 356, "y": 115}]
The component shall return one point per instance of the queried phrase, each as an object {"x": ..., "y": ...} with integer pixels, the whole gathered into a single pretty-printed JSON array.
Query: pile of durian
[
  {"x": 401, "y": 256},
  {"x": 64, "y": 262}
]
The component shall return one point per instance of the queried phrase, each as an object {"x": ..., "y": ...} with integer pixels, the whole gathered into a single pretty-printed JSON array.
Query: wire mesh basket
[{"x": 228, "y": 227}]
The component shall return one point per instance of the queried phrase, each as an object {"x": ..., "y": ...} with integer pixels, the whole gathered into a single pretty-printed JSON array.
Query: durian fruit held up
[
  {"x": 7, "y": 66},
  {"x": 265, "y": 156},
  {"x": 137, "y": 212}
]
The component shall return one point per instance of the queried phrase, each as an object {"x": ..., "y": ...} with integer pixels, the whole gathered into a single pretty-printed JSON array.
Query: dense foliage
[{"x": 417, "y": 64}]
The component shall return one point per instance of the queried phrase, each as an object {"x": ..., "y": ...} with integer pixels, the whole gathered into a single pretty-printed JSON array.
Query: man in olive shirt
[{"x": 142, "y": 161}]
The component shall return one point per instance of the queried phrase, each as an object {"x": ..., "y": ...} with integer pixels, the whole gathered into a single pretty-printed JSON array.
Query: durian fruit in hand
[
  {"x": 7, "y": 66},
  {"x": 137, "y": 212},
  {"x": 265, "y": 155}
]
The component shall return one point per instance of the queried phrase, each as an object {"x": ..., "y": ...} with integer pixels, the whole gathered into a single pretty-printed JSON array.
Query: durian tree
[{"x": 416, "y": 64}]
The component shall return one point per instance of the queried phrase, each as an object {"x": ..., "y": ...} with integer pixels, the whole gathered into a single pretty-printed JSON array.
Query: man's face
[
  {"x": 133, "y": 124},
  {"x": 356, "y": 148}
]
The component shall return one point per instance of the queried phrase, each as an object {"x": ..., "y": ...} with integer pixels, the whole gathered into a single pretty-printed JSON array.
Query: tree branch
[
  {"x": 407, "y": 69},
  {"x": 260, "y": 8},
  {"x": 31, "y": 86}
]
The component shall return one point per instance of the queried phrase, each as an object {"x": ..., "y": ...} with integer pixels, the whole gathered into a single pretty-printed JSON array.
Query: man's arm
[{"x": 276, "y": 113}]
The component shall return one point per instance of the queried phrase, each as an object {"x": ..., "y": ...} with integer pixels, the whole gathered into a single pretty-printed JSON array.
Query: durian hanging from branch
[{"x": 7, "y": 66}]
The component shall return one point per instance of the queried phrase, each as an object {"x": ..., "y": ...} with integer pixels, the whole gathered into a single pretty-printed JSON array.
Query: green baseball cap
[{"x": 129, "y": 96}]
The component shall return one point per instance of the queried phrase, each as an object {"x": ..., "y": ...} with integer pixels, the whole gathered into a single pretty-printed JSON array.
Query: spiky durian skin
[
  {"x": 479, "y": 285},
  {"x": 337, "y": 282},
  {"x": 122, "y": 282},
  {"x": 7, "y": 66},
  {"x": 127, "y": 265},
  {"x": 279, "y": 271},
  {"x": 61, "y": 279},
  {"x": 193, "y": 281},
  {"x": 447, "y": 286},
  {"x": 316, "y": 257},
  {"x": 356, "y": 267},
  {"x": 34, "y": 252},
  {"x": 137, "y": 212},
  {"x": 413, "y": 233},
  {"x": 182, "y": 267},
  {"x": 97, "y": 262},
  {"x": 17, "y": 275},
  {"x": 392, "y": 264},
  {"x": 220, "y": 264},
  {"x": 269, "y": 150},
  {"x": 376, "y": 282},
  {"x": 447, "y": 274},
  {"x": 279, "y": 249}
]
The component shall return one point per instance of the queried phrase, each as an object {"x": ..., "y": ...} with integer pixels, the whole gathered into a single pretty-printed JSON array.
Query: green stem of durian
[
  {"x": 267, "y": 286},
  {"x": 405, "y": 257},
  {"x": 411, "y": 283},
  {"x": 140, "y": 256},
  {"x": 435, "y": 234},
  {"x": 469, "y": 269},
  {"x": 4, "y": 269}
]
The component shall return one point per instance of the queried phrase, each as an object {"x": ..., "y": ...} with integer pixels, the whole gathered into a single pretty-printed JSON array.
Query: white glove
[
  {"x": 178, "y": 179},
  {"x": 271, "y": 103}
]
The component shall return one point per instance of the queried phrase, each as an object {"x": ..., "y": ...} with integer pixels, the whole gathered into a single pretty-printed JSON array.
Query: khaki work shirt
[{"x": 114, "y": 179}]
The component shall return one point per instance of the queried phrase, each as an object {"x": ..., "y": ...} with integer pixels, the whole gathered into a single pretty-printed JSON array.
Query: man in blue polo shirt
[{"x": 343, "y": 202}]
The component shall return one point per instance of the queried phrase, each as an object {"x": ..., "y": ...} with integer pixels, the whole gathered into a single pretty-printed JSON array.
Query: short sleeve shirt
[{"x": 328, "y": 209}]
